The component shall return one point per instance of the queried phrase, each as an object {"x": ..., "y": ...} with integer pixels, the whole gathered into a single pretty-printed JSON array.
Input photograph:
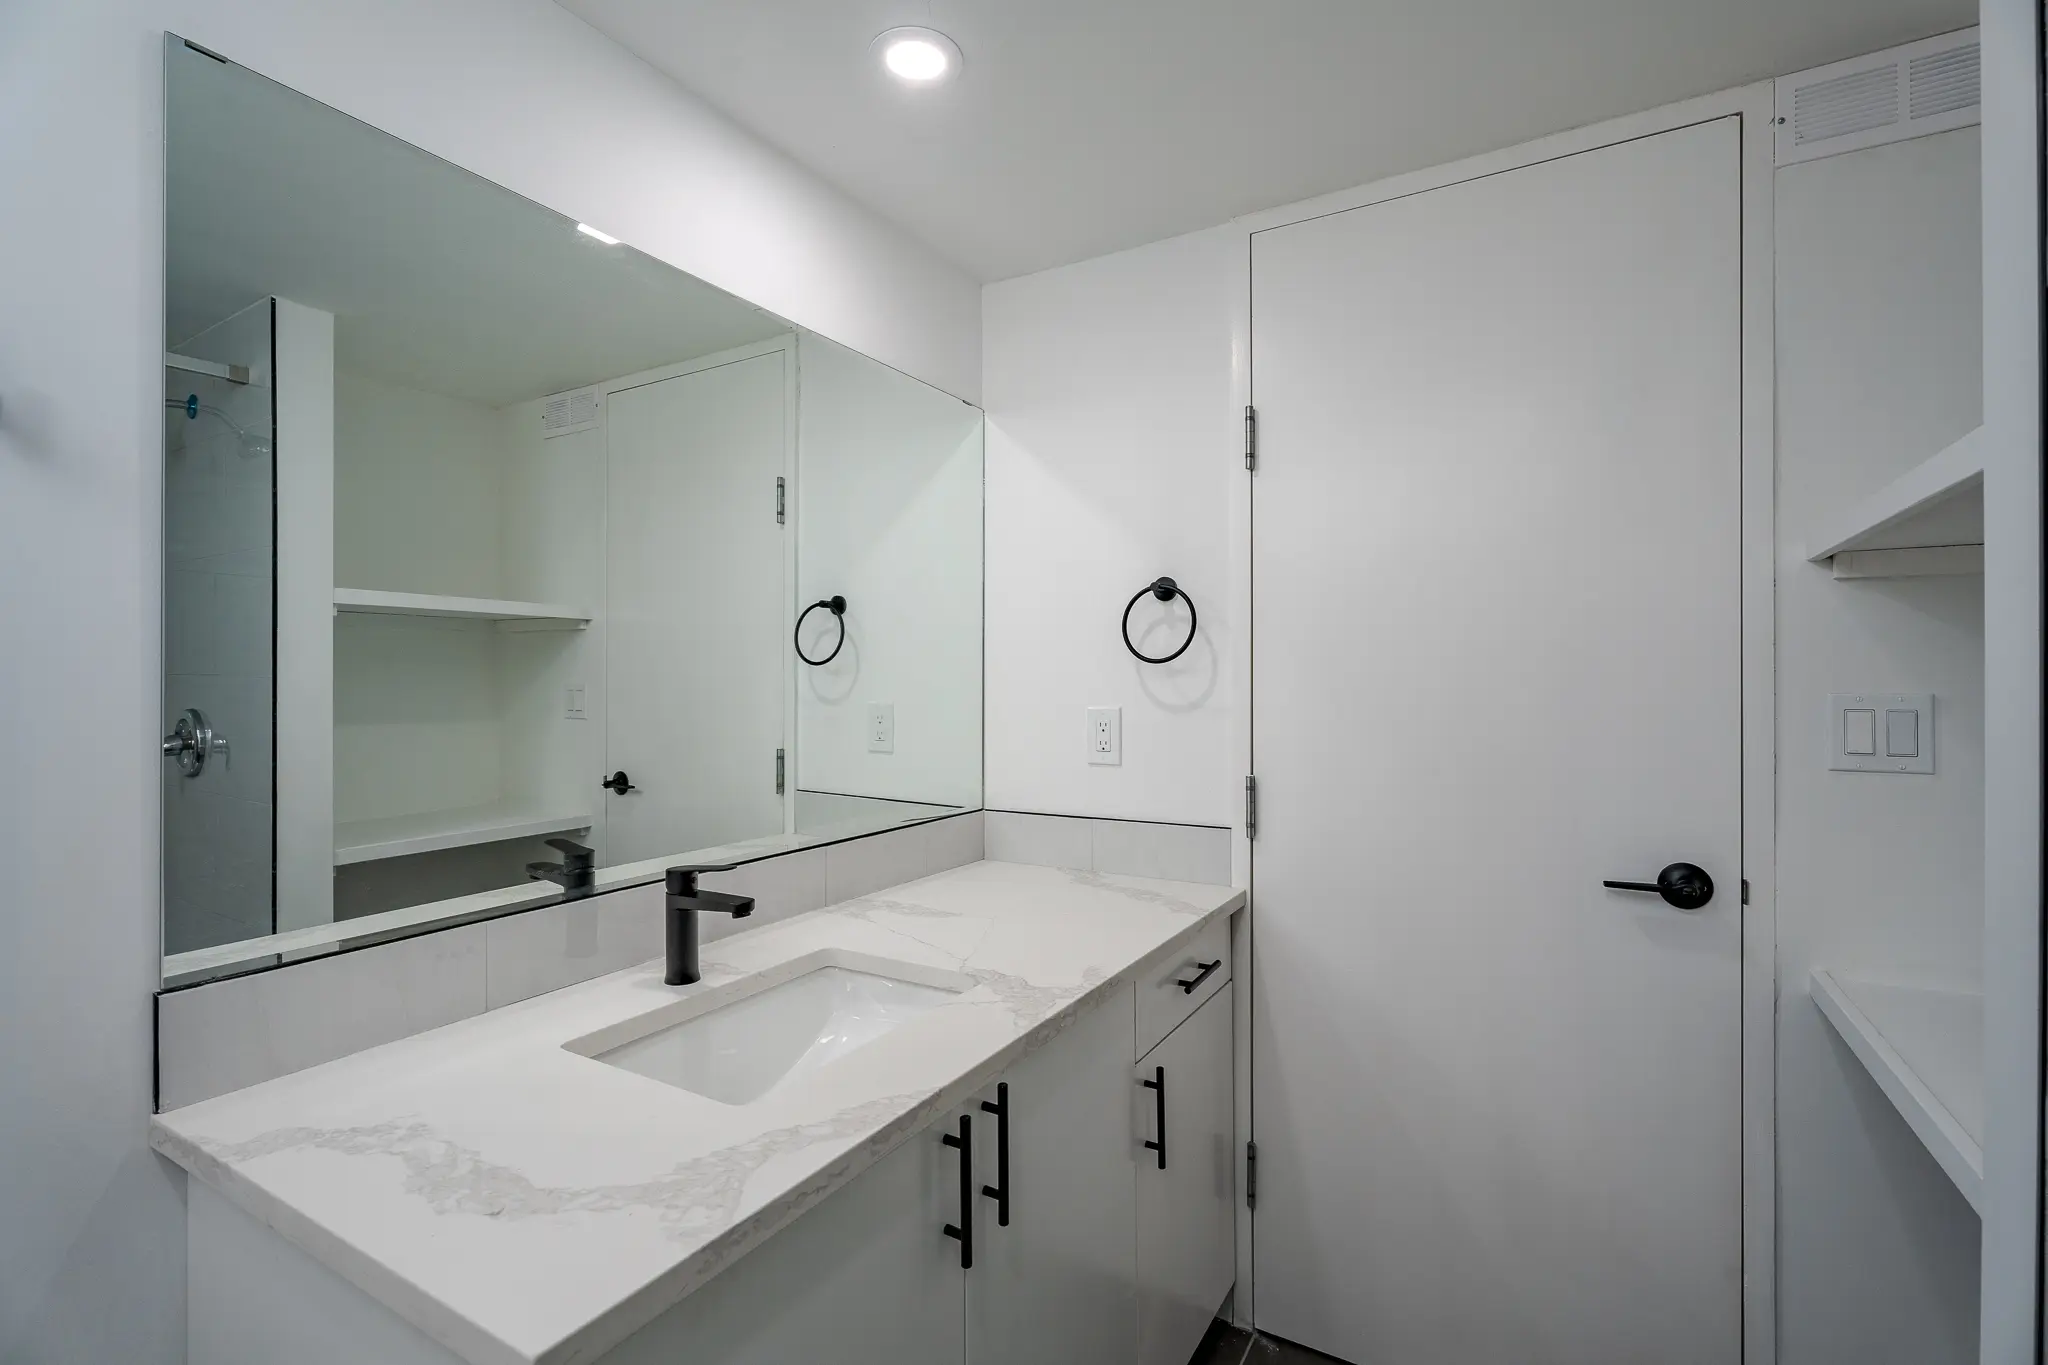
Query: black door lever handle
[
  {"x": 618, "y": 784},
  {"x": 1683, "y": 885}
]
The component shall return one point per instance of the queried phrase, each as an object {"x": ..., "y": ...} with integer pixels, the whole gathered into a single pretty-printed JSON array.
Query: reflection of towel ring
[
  {"x": 1165, "y": 589},
  {"x": 838, "y": 608}
]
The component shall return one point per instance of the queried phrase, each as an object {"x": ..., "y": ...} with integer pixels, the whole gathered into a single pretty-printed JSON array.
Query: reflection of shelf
[
  {"x": 1935, "y": 506},
  {"x": 363, "y": 841},
  {"x": 1925, "y": 1048},
  {"x": 514, "y": 615}
]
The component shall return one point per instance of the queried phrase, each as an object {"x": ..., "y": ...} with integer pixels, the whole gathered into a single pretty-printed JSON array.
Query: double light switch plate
[{"x": 1881, "y": 732}]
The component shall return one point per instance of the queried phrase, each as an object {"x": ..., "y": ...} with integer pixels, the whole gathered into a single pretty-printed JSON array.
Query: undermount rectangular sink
[{"x": 739, "y": 1052}]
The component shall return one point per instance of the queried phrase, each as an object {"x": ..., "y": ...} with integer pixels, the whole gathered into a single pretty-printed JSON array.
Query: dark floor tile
[
  {"x": 1224, "y": 1345},
  {"x": 1267, "y": 1350}
]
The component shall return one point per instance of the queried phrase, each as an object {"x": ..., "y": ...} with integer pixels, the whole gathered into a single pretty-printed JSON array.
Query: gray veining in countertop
[{"x": 525, "y": 1205}]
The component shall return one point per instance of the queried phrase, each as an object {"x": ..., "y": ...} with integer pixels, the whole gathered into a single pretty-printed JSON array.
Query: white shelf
[
  {"x": 364, "y": 841},
  {"x": 1939, "y": 502},
  {"x": 1925, "y": 1048},
  {"x": 514, "y": 615}
]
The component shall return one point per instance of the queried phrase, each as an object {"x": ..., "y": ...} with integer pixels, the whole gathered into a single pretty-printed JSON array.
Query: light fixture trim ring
[{"x": 889, "y": 38}]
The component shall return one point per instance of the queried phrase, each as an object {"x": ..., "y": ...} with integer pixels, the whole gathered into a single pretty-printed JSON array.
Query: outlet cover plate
[
  {"x": 1106, "y": 735},
  {"x": 881, "y": 727}
]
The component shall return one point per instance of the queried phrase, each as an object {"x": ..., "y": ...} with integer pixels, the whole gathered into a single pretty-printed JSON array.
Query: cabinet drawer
[{"x": 1162, "y": 1001}]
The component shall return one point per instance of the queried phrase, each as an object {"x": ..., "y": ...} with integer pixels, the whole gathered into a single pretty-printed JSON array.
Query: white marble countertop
[{"x": 525, "y": 1205}]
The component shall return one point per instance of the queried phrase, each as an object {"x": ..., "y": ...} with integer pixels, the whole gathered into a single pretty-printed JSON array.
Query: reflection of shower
[{"x": 251, "y": 445}]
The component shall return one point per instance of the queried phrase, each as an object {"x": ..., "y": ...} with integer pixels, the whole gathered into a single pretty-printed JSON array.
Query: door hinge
[
  {"x": 1745, "y": 891},
  {"x": 1251, "y": 1175},
  {"x": 781, "y": 504},
  {"x": 1251, "y": 808},
  {"x": 1251, "y": 437},
  {"x": 780, "y": 755}
]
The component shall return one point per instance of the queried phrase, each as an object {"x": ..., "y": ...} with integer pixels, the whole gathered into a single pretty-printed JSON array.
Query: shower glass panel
[{"x": 219, "y": 656}]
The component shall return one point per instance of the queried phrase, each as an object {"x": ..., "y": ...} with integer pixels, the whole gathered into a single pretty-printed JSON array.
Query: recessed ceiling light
[
  {"x": 588, "y": 231},
  {"x": 918, "y": 56}
]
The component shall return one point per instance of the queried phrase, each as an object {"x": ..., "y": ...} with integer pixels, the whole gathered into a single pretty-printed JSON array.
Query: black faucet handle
[
  {"x": 575, "y": 857},
  {"x": 682, "y": 881}
]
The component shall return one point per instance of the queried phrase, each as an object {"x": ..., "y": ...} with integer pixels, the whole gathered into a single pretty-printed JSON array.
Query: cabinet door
[
  {"x": 1186, "y": 1211},
  {"x": 866, "y": 1278},
  {"x": 1059, "y": 1283}
]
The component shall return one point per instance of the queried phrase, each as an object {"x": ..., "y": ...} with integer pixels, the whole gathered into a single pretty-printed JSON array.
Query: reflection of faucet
[
  {"x": 684, "y": 901},
  {"x": 576, "y": 873}
]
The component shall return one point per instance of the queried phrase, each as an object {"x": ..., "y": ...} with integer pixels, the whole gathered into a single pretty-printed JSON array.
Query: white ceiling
[
  {"x": 438, "y": 280},
  {"x": 1079, "y": 127}
]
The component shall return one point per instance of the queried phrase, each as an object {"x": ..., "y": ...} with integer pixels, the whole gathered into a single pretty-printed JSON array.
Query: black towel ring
[
  {"x": 838, "y": 608},
  {"x": 1165, "y": 589}
]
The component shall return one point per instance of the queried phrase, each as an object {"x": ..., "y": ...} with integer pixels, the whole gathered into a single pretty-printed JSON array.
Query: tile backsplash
[
  {"x": 1131, "y": 848},
  {"x": 225, "y": 1035}
]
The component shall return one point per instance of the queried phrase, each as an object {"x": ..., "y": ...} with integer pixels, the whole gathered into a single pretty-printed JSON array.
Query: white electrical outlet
[
  {"x": 881, "y": 727},
  {"x": 1106, "y": 735},
  {"x": 573, "y": 706}
]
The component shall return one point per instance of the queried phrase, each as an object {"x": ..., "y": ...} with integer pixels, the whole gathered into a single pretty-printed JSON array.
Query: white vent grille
[
  {"x": 1943, "y": 82},
  {"x": 564, "y": 413},
  {"x": 1911, "y": 91}
]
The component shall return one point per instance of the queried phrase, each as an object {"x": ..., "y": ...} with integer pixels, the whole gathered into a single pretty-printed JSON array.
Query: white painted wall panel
[
  {"x": 1112, "y": 447},
  {"x": 1878, "y": 876}
]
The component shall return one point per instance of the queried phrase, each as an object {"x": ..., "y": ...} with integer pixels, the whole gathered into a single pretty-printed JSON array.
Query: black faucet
[
  {"x": 684, "y": 901},
  {"x": 576, "y": 873}
]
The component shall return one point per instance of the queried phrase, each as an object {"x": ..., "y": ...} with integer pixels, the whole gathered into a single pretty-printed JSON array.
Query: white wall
[
  {"x": 90, "y": 1222},
  {"x": 1879, "y": 876},
  {"x": 304, "y": 345},
  {"x": 2013, "y": 682},
  {"x": 418, "y": 483},
  {"x": 888, "y": 515},
  {"x": 1112, "y": 451},
  {"x": 552, "y": 527}
]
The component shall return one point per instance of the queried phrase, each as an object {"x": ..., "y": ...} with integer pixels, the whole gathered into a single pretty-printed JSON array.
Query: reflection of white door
[
  {"x": 694, "y": 604},
  {"x": 1497, "y": 583}
]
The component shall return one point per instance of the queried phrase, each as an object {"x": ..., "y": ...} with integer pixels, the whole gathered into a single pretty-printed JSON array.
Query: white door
[
  {"x": 694, "y": 609},
  {"x": 1059, "y": 1282},
  {"x": 1187, "y": 1195},
  {"x": 866, "y": 1278},
  {"x": 1498, "y": 661}
]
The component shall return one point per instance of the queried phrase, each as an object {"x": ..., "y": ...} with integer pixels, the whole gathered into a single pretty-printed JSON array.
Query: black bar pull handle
[
  {"x": 1157, "y": 1085},
  {"x": 963, "y": 1232},
  {"x": 1203, "y": 975},
  {"x": 1000, "y": 1191}
]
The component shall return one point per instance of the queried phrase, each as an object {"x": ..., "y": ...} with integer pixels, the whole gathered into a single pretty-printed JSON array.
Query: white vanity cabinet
[
  {"x": 1059, "y": 1282},
  {"x": 1187, "y": 1202},
  {"x": 1108, "y": 1254},
  {"x": 865, "y": 1278},
  {"x": 870, "y": 1278}
]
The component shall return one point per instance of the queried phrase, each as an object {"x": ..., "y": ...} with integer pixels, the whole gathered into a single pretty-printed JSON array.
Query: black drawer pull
[
  {"x": 1000, "y": 1191},
  {"x": 964, "y": 1231},
  {"x": 1201, "y": 976},
  {"x": 1157, "y": 1085}
]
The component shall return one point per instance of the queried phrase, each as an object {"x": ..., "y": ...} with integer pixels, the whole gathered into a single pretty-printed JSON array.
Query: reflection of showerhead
[{"x": 251, "y": 445}]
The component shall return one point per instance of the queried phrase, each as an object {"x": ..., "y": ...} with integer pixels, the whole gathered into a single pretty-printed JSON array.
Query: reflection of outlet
[
  {"x": 1106, "y": 735},
  {"x": 881, "y": 727}
]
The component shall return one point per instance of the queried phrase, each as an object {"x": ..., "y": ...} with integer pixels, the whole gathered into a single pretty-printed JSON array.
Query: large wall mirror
[{"x": 504, "y": 563}]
